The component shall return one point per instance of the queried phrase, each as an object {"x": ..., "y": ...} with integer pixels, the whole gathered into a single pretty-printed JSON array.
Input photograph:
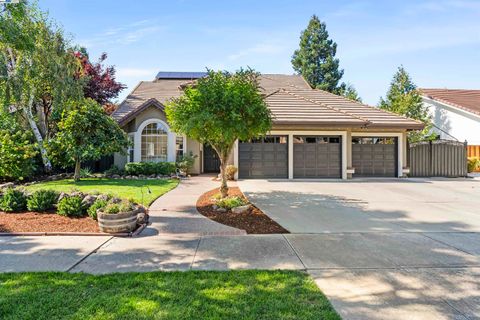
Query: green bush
[
  {"x": 98, "y": 204},
  {"x": 71, "y": 207},
  {"x": 114, "y": 170},
  {"x": 17, "y": 150},
  {"x": 13, "y": 200},
  {"x": 148, "y": 168},
  {"x": 42, "y": 200},
  {"x": 185, "y": 162},
  {"x": 230, "y": 202},
  {"x": 113, "y": 208},
  {"x": 473, "y": 164}
]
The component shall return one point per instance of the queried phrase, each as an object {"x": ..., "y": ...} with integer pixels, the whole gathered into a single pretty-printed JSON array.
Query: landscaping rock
[
  {"x": 89, "y": 200},
  {"x": 215, "y": 207},
  {"x": 116, "y": 200},
  {"x": 221, "y": 210},
  {"x": 7, "y": 185},
  {"x": 77, "y": 194},
  {"x": 116, "y": 176},
  {"x": 142, "y": 217},
  {"x": 241, "y": 209},
  {"x": 103, "y": 197},
  {"x": 61, "y": 196}
]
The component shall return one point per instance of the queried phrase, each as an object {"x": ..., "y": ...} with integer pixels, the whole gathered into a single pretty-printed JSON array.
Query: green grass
[
  {"x": 163, "y": 295},
  {"x": 122, "y": 188}
]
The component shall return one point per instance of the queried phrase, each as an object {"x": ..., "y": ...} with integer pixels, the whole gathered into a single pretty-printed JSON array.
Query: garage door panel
[
  {"x": 374, "y": 156},
  {"x": 317, "y": 157},
  {"x": 264, "y": 158}
]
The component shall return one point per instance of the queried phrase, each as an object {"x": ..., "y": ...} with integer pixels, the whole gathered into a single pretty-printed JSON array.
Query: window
[
  {"x": 376, "y": 140},
  {"x": 130, "y": 151},
  {"x": 154, "y": 143},
  {"x": 179, "y": 146}
]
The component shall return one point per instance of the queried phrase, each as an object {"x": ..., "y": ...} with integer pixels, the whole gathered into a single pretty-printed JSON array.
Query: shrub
[
  {"x": 71, "y": 207},
  {"x": 17, "y": 150},
  {"x": 13, "y": 200},
  {"x": 230, "y": 172},
  {"x": 185, "y": 162},
  {"x": 230, "y": 202},
  {"x": 86, "y": 173},
  {"x": 148, "y": 168},
  {"x": 473, "y": 164},
  {"x": 42, "y": 200},
  {"x": 114, "y": 170},
  {"x": 98, "y": 204},
  {"x": 113, "y": 208}
]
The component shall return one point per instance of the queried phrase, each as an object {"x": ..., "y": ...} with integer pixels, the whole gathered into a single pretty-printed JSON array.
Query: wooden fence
[
  {"x": 438, "y": 158},
  {"x": 473, "y": 152}
]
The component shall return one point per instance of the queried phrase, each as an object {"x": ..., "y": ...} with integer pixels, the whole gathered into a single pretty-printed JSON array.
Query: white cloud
[
  {"x": 123, "y": 35},
  {"x": 262, "y": 48}
]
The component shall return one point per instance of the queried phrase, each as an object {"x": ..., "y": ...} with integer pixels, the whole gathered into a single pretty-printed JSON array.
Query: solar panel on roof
[{"x": 180, "y": 75}]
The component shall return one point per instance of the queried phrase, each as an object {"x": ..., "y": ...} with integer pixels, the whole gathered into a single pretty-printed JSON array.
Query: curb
[{"x": 86, "y": 234}]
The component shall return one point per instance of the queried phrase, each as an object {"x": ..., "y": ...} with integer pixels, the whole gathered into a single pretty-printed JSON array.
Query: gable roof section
[
  {"x": 468, "y": 100},
  {"x": 289, "y": 97}
]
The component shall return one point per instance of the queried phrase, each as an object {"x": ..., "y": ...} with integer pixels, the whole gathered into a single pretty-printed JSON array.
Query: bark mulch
[
  {"x": 254, "y": 221},
  {"x": 45, "y": 222}
]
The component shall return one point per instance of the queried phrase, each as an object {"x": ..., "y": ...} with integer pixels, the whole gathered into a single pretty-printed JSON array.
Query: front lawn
[
  {"x": 122, "y": 188},
  {"x": 163, "y": 295}
]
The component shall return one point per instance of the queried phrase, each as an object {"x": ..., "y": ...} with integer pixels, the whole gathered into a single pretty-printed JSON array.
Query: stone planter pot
[{"x": 118, "y": 222}]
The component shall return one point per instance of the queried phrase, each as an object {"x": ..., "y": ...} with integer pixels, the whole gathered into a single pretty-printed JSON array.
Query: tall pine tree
[
  {"x": 403, "y": 98},
  {"x": 315, "y": 60}
]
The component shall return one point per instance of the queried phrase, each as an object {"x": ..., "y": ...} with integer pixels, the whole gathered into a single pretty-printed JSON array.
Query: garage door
[
  {"x": 266, "y": 157},
  {"x": 317, "y": 157},
  {"x": 374, "y": 156}
]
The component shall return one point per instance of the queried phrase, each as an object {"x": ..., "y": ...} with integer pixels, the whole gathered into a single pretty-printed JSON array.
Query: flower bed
[
  {"x": 253, "y": 220},
  {"x": 49, "y": 211}
]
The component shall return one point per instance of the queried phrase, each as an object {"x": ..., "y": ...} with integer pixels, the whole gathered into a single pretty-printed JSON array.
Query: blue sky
[{"x": 438, "y": 42}]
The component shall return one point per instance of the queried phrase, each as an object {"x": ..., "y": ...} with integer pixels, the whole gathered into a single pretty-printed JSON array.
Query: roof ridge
[{"x": 327, "y": 106}]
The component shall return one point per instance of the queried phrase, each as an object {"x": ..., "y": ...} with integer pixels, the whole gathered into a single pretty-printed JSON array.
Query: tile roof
[
  {"x": 468, "y": 100},
  {"x": 289, "y": 97}
]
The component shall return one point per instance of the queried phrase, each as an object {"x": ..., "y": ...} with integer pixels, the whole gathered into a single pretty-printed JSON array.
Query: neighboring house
[
  {"x": 315, "y": 134},
  {"x": 455, "y": 115}
]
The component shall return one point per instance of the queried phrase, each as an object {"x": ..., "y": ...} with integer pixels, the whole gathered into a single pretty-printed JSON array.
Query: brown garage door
[
  {"x": 266, "y": 157},
  {"x": 317, "y": 157},
  {"x": 374, "y": 156}
]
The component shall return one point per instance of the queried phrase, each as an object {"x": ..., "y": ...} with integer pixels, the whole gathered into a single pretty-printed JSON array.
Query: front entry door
[{"x": 211, "y": 161}]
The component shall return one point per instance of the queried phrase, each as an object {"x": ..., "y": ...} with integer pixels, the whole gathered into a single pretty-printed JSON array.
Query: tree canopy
[
  {"x": 86, "y": 132},
  {"x": 101, "y": 84},
  {"x": 220, "y": 109},
  {"x": 315, "y": 60},
  {"x": 403, "y": 98}
]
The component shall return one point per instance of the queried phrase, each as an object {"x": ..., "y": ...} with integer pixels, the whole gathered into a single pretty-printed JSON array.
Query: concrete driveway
[
  {"x": 419, "y": 205},
  {"x": 384, "y": 249}
]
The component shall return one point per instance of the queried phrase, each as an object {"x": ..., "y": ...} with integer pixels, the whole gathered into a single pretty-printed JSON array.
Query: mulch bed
[
  {"x": 45, "y": 222},
  {"x": 254, "y": 221}
]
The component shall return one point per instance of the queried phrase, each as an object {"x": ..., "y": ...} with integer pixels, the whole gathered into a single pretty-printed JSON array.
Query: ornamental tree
[
  {"x": 86, "y": 132},
  {"x": 220, "y": 109},
  {"x": 101, "y": 84},
  {"x": 403, "y": 98}
]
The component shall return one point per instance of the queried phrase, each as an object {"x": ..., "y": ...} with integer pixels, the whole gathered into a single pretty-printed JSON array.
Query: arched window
[{"x": 154, "y": 143}]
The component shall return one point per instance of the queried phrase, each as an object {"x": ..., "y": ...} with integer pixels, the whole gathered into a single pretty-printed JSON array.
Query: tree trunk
[
  {"x": 76, "y": 175},
  {"x": 38, "y": 136},
  {"x": 224, "y": 186}
]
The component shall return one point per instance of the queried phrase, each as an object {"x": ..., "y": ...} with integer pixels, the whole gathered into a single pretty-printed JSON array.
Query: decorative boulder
[
  {"x": 241, "y": 209},
  {"x": 221, "y": 210},
  {"x": 142, "y": 218},
  {"x": 7, "y": 185},
  {"x": 116, "y": 176},
  {"x": 116, "y": 200},
  {"x": 61, "y": 196},
  {"x": 89, "y": 200},
  {"x": 103, "y": 197}
]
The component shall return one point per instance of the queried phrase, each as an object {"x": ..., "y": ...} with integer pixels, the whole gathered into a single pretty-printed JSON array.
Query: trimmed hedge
[{"x": 149, "y": 168}]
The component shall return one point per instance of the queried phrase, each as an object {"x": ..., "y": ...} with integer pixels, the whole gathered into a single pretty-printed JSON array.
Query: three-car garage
[{"x": 317, "y": 156}]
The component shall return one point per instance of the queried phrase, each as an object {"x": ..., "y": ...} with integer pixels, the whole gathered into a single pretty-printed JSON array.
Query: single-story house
[
  {"x": 315, "y": 134},
  {"x": 455, "y": 115}
]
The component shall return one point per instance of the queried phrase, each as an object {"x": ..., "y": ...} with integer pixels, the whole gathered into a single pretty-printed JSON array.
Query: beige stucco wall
[{"x": 193, "y": 147}]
